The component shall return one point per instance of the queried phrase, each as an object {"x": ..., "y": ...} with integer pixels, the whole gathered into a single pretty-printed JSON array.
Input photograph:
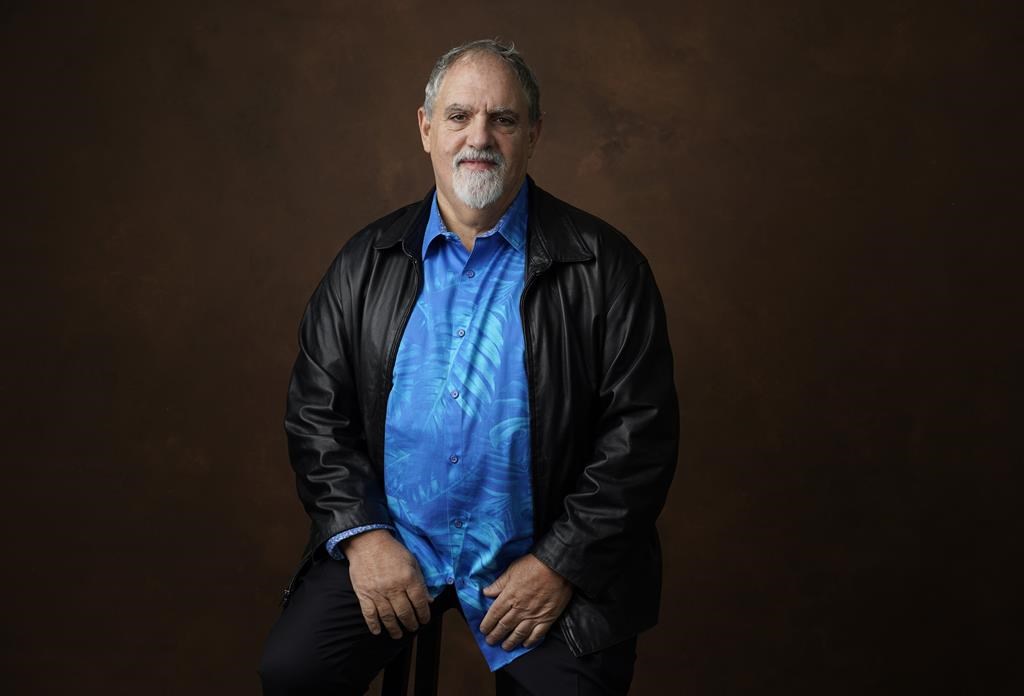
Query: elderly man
[{"x": 481, "y": 416}]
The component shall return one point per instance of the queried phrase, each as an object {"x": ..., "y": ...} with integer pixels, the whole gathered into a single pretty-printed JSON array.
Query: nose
[{"x": 479, "y": 133}]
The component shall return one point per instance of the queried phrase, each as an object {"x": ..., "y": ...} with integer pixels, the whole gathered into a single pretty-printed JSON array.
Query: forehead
[{"x": 481, "y": 77}]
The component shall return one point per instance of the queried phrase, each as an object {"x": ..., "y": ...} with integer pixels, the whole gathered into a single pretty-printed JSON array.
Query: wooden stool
[
  {"x": 427, "y": 643},
  {"x": 428, "y": 662}
]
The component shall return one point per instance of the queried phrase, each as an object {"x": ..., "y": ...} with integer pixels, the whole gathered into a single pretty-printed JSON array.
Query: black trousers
[{"x": 320, "y": 645}]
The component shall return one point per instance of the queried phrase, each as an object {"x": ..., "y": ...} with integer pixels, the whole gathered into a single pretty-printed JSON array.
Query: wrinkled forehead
[{"x": 482, "y": 79}]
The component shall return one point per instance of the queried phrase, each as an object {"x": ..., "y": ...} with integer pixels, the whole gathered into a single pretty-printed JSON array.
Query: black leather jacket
[{"x": 604, "y": 418}]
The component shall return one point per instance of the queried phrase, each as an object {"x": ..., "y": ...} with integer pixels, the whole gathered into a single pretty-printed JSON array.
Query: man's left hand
[{"x": 530, "y": 598}]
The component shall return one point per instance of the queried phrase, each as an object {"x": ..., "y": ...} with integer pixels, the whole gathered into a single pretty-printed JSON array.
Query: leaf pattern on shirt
[
  {"x": 427, "y": 369},
  {"x": 478, "y": 361},
  {"x": 487, "y": 427}
]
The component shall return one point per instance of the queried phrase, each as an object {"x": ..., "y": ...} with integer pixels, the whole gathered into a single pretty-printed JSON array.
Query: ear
[
  {"x": 534, "y": 136},
  {"x": 424, "y": 123}
]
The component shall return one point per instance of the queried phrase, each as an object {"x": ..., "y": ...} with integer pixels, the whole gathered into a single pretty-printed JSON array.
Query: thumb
[{"x": 495, "y": 588}]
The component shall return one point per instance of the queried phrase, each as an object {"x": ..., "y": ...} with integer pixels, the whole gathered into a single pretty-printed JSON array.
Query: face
[{"x": 479, "y": 136}]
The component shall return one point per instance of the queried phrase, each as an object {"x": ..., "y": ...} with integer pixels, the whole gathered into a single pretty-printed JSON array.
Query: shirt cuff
[{"x": 332, "y": 544}]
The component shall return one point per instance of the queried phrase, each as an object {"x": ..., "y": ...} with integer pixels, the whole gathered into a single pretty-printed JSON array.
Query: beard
[{"x": 479, "y": 189}]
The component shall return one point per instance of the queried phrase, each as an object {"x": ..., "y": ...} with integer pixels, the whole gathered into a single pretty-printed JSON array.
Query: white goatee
[{"x": 478, "y": 189}]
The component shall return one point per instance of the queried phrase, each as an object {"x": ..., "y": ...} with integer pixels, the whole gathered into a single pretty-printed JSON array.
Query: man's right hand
[{"x": 387, "y": 581}]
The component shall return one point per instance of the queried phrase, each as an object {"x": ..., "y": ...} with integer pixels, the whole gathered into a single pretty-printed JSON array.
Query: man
[{"x": 481, "y": 415}]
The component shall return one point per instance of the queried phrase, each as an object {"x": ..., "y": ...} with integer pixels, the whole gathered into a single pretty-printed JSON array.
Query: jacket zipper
[
  {"x": 287, "y": 594},
  {"x": 530, "y": 388},
  {"x": 392, "y": 355},
  {"x": 566, "y": 629},
  {"x": 393, "y": 348},
  {"x": 574, "y": 646}
]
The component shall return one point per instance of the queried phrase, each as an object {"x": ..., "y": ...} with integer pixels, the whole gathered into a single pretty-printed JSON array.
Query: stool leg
[
  {"x": 428, "y": 657},
  {"x": 396, "y": 674},
  {"x": 504, "y": 685}
]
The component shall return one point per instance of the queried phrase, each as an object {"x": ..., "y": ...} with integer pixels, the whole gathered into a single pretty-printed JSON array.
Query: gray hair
[{"x": 508, "y": 53}]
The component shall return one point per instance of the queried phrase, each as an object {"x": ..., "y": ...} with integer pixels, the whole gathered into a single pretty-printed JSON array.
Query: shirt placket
[{"x": 468, "y": 287}]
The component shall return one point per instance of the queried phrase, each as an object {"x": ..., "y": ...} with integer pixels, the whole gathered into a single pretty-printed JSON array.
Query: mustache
[{"x": 471, "y": 153}]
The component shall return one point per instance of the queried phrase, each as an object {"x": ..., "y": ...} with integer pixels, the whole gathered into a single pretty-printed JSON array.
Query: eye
[
  {"x": 506, "y": 121},
  {"x": 458, "y": 117}
]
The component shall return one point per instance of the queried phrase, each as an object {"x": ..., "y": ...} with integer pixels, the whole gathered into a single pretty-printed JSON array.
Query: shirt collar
[{"x": 511, "y": 225}]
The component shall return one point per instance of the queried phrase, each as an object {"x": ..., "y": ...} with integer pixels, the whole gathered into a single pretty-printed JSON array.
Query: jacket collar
[{"x": 551, "y": 235}]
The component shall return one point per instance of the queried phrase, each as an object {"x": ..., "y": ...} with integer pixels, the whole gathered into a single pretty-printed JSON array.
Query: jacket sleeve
[
  {"x": 323, "y": 422},
  {"x": 623, "y": 486}
]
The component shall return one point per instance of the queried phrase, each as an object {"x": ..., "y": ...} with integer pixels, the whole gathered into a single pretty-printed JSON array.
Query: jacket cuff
[{"x": 565, "y": 560}]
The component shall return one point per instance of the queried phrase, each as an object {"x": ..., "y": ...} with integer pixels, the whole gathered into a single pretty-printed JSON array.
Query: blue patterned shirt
[{"x": 457, "y": 435}]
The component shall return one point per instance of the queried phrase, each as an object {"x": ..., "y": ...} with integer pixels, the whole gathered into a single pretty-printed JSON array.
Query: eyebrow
[{"x": 499, "y": 111}]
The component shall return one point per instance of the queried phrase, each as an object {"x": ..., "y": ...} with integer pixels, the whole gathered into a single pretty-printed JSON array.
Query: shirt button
[
  {"x": 460, "y": 333},
  {"x": 450, "y": 580},
  {"x": 470, "y": 274},
  {"x": 454, "y": 459},
  {"x": 458, "y": 523},
  {"x": 455, "y": 393}
]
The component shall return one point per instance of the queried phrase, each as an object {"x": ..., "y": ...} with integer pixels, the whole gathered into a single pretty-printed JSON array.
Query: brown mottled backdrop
[{"x": 828, "y": 193}]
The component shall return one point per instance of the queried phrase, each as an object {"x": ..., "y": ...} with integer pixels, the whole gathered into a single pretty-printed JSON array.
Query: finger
[
  {"x": 495, "y": 588},
  {"x": 495, "y": 612},
  {"x": 505, "y": 626},
  {"x": 519, "y": 633},
  {"x": 420, "y": 602},
  {"x": 369, "y": 611},
  {"x": 404, "y": 611},
  {"x": 538, "y": 633},
  {"x": 387, "y": 617}
]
